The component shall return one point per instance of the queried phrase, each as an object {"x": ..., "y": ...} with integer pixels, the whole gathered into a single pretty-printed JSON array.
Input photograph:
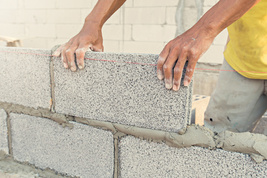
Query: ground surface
[{"x": 11, "y": 169}]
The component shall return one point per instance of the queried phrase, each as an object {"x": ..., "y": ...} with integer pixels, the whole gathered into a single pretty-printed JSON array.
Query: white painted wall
[{"x": 140, "y": 26}]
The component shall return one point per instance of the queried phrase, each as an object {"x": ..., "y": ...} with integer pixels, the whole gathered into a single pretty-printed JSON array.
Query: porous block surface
[
  {"x": 25, "y": 77},
  {"x": 121, "y": 89},
  {"x": 3, "y": 131},
  {"x": 81, "y": 151},
  {"x": 139, "y": 158}
]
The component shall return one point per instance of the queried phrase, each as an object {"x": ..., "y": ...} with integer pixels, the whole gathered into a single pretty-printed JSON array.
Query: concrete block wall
[
  {"x": 138, "y": 27},
  {"x": 82, "y": 124}
]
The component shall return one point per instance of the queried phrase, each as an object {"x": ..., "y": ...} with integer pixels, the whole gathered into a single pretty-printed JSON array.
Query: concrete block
[
  {"x": 61, "y": 16},
  {"x": 155, "y": 3},
  {"x": 69, "y": 4},
  {"x": 40, "y": 30},
  {"x": 122, "y": 91},
  {"x": 25, "y": 76},
  {"x": 142, "y": 47},
  {"x": 67, "y": 30},
  {"x": 33, "y": 4},
  {"x": 117, "y": 32},
  {"x": 7, "y": 4},
  {"x": 139, "y": 158},
  {"x": 3, "y": 131},
  {"x": 213, "y": 55},
  {"x": 81, "y": 151},
  {"x": 143, "y": 15},
  {"x": 210, "y": 2},
  {"x": 154, "y": 33},
  {"x": 221, "y": 38},
  {"x": 170, "y": 15},
  {"x": 14, "y": 30},
  {"x": 34, "y": 16}
]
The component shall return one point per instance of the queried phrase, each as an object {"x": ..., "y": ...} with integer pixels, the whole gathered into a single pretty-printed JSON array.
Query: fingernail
[
  {"x": 56, "y": 53},
  {"x": 160, "y": 75},
  {"x": 186, "y": 83},
  {"x": 80, "y": 66},
  {"x": 73, "y": 69},
  {"x": 66, "y": 65},
  {"x": 168, "y": 85},
  {"x": 175, "y": 87}
]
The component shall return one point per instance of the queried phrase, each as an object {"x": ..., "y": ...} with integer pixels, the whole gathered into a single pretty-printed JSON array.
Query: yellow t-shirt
[{"x": 246, "y": 51}]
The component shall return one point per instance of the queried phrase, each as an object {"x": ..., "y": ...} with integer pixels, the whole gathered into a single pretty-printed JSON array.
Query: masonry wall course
[
  {"x": 3, "y": 131},
  {"x": 81, "y": 151},
  {"x": 120, "y": 92},
  {"x": 140, "y": 158},
  {"x": 25, "y": 76}
]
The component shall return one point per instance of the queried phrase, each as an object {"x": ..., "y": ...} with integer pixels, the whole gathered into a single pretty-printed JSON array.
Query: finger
[
  {"x": 80, "y": 53},
  {"x": 189, "y": 72},
  {"x": 161, "y": 60},
  {"x": 63, "y": 56},
  {"x": 71, "y": 57},
  {"x": 97, "y": 48},
  {"x": 178, "y": 71},
  {"x": 168, "y": 66},
  {"x": 58, "y": 51}
]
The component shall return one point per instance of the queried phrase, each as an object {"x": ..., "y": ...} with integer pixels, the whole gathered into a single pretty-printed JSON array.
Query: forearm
[
  {"x": 103, "y": 10},
  {"x": 223, "y": 14}
]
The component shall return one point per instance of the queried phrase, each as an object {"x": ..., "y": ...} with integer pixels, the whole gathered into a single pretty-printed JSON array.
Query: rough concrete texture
[
  {"x": 82, "y": 151},
  {"x": 139, "y": 158},
  {"x": 25, "y": 77},
  {"x": 121, "y": 92},
  {"x": 3, "y": 131}
]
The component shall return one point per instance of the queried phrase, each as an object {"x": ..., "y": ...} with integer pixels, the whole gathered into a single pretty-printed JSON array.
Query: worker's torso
[{"x": 246, "y": 51}]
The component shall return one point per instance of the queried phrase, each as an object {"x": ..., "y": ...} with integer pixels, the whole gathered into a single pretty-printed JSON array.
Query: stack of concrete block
[
  {"x": 112, "y": 89},
  {"x": 118, "y": 88}
]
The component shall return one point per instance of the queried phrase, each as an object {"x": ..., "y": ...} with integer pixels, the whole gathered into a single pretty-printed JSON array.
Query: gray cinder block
[
  {"x": 81, "y": 151},
  {"x": 25, "y": 77},
  {"x": 139, "y": 158},
  {"x": 121, "y": 91},
  {"x": 3, "y": 131}
]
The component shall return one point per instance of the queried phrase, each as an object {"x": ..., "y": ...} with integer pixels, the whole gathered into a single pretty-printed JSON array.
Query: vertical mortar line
[
  {"x": 116, "y": 158},
  {"x": 9, "y": 135},
  {"x": 52, "y": 84},
  {"x": 179, "y": 18}
]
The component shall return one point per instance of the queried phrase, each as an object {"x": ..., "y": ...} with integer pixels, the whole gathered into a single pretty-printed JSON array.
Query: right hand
[{"x": 90, "y": 36}]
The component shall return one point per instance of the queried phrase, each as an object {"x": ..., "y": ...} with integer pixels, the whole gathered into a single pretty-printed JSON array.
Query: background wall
[{"x": 140, "y": 26}]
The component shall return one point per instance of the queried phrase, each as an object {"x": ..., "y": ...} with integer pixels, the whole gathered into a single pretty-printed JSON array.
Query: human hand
[
  {"x": 187, "y": 47},
  {"x": 90, "y": 36}
]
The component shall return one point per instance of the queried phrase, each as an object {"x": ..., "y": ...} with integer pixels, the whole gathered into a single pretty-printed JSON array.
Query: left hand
[{"x": 187, "y": 47}]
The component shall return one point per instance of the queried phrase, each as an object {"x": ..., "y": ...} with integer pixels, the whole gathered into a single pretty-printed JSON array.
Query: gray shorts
[{"x": 237, "y": 103}]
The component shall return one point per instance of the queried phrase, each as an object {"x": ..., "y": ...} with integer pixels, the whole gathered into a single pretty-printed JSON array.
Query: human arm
[
  {"x": 194, "y": 42},
  {"x": 90, "y": 35}
]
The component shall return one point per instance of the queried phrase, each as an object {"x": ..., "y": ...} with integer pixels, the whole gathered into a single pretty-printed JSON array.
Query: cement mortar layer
[
  {"x": 3, "y": 131},
  {"x": 249, "y": 143},
  {"x": 121, "y": 88}
]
